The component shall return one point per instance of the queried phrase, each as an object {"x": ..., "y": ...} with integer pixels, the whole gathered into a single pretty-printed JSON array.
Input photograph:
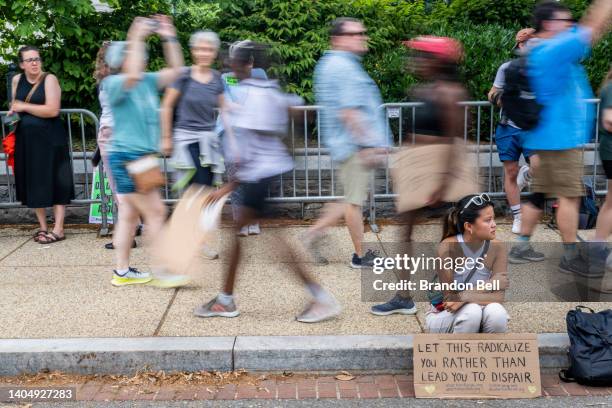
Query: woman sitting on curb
[{"x": 469, "y": 233}]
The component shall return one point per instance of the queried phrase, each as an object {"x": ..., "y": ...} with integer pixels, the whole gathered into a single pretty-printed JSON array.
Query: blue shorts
[
  {"x": 509, "y": 141},
  {"x": 118, "y": 160}
]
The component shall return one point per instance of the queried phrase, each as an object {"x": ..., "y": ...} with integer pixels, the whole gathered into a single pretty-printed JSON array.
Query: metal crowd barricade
[
  {"x": 314, "y": 177},
  {"x": 80, "y": 163}
]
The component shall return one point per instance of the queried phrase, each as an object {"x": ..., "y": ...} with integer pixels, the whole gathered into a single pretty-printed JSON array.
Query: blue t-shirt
[
  {"x": 561, "y": 87},
  {"x": 340, "y": 83},
  {"x": 135, "y": 113}
]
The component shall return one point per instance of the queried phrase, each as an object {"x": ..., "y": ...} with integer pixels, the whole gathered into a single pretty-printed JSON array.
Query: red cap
[{"x": 443, "y": 47}]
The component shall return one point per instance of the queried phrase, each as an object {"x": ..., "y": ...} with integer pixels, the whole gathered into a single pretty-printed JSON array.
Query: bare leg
[
  {"x": 124, "y": 231},
  {"x": 332, "y": 213},
  {"x": 244, "y": 217},
  {"x": 59, "y": 213},
  {"x": 513, "y": 194},
  {"x": 529, "y": 219},
  {"x": 41, "y": 216},
  {"x": 153, "y": 212},
  {"x": 567, "y": 218},
  {"x": 604, "y": 219},
  {"x": 354, "y": 221}
]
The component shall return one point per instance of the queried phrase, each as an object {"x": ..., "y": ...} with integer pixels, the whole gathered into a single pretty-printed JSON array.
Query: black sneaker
[
  {"x": 521, "y": 254},
  {"x": 111, "y": 246},
  {"x": 366, "y": 260},
  {"x": 579, "y": 266}
]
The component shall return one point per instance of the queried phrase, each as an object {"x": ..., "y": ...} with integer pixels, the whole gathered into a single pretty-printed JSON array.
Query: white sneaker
[
  {"x": 254, "y": 229},
  {"x": 523, "y": 178},
  {"x": 209, "y": 253},
  {"x": 244, "y": 232},
  {"x": 516, "y": 225},
  {"x": 319, "y": 311}
]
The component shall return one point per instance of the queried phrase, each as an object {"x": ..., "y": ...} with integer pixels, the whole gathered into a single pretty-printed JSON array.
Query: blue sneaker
[{"x": 396, "y": 305}]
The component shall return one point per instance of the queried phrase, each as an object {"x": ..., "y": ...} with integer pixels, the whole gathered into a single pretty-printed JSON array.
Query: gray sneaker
[
  {"x": 214, "y": 308},
  {"x": 579, "y": 266},
  {"x": 313, "y": 246},
  {"x": 521, "y": 254}
]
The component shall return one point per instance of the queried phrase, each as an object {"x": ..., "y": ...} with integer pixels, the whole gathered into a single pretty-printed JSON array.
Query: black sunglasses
[
  {"x": 354, "y": 33},
  {"x": 571, "y": 20}
]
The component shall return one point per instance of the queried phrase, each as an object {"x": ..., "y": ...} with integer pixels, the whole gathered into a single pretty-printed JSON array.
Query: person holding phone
[
  {"x": 469, "y": 233},
  {"x": 133, "y": 96}
]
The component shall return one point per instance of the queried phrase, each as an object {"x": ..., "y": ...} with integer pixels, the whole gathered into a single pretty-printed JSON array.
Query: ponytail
[
  {"x": 451, "y": 221},
  {"x": 461, "y": 213}
]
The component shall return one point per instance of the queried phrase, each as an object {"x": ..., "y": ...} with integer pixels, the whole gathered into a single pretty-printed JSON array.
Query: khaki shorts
[
  {"x": 355, "y": 179},
  {"x": 558, "y": 173}
]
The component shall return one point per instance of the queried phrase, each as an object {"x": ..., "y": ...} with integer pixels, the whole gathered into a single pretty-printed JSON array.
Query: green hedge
[{"x": 297, "y": 31}]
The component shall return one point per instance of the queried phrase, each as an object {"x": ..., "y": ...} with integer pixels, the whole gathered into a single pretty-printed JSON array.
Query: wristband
[{"x": 169, "y": 39}]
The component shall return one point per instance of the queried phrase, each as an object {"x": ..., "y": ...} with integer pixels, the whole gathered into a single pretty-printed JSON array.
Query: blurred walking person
[
  {"x": 509, "y": 140},
  {"x": 105, "y": 131},
  {"x": 352, "y": 124},
  {"x": 439, "y": 122},
  {"x": 260, "y": 122},
  {"x": 188, "y": 119},
  {"x": 561, "y": 87},
  {"x": 134, "y": 100},
  {"x": 604, "y": 219}
]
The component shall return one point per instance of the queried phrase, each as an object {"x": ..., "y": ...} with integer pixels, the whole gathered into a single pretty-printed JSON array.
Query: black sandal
[
  {"x": 38, "y": 233},
  {"x": 51, "y": 238}
]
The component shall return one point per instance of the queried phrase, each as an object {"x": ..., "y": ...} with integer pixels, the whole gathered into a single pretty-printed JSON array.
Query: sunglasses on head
[{"x": 479, "y": 200}]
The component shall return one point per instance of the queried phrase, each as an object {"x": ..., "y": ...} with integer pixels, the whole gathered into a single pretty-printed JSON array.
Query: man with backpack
[
  {"x": 508, "y": 138},
  {"x": 560, "y": 85}
]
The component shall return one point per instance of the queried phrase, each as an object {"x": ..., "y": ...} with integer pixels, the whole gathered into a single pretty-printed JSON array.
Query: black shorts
[
  {"x": 203, "y": 175},
  {"x": 607, "y": 165},
  {"x": 254, "y": 194}
]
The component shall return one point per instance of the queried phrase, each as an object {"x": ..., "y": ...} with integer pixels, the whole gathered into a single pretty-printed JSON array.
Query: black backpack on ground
[
  {"x": 588, "y": 207},
  {"x": 518, "y": 99},
  {"x": 590, "y": 351}
]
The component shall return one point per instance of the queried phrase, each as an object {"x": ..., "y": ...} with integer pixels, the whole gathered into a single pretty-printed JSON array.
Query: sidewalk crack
[
  {"x": 15, "y": 250},
  {"x": 233, "y": 355},
  {"x": 163, "y": 318}
]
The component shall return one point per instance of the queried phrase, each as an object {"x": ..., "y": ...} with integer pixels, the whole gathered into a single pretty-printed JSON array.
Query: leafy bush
[{"x": 70, "y": 32}]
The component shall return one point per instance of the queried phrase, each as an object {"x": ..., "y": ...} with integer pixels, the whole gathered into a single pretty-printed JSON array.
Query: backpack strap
[
  {"x": 565, "y": 376},
  {"x": 41, "y": 80}
]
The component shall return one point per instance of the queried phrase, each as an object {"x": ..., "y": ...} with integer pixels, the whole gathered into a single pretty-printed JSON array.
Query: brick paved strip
[
  {"x": 165, "y": 393},
  {"x": 87, "y": 391},
  {"x": 574, "y": 389},
  {"x": 327, "y": 390},
  {"x": 327, "y": 387},
  {"x": 368, "y": 391},
  {"x": 286, "y": 391},
  {"x": 228, "y": 392}
]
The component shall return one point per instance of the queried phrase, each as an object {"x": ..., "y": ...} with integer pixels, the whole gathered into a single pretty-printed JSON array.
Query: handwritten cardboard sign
[{"x": 476, "y": 366}]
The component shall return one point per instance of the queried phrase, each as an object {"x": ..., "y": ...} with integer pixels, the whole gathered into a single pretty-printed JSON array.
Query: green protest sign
[{"x": 95, "y": 210}]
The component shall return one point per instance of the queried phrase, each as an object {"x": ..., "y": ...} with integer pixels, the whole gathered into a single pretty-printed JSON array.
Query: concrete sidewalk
[{"x": 63, "y": 290}]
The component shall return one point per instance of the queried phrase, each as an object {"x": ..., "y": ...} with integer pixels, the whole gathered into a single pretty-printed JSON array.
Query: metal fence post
[{"x": 372, "y": 204}]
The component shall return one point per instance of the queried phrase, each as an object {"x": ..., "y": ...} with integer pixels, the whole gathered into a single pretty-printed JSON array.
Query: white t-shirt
[{"x": 106, "y": 116}]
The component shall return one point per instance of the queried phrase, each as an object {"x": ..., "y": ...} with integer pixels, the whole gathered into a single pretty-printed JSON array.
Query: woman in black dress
[{"x": 43, "y": 173}]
